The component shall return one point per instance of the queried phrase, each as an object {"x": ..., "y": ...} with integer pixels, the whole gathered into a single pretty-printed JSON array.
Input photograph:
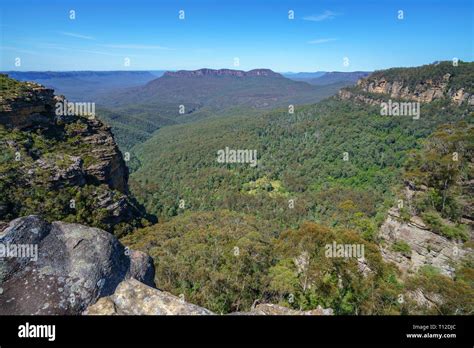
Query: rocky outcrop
[
  {"x": 424, "y": 91},
  {"x": 424, "y": 299},
  {"x": 222, "y": 72},
  {"x": 346, "y": 94},
  {"x": 106, "y": 164},
  {"x": 426, "y": 248},
  {"x": 412, "y": 84},
  {"x": 29, "y": 106},
  {"x": 65, "y": 269},
  {"x": 135, "y": 298},
  {"x": 62, "y": 268},
  {"x": 273, "y": 309},
  {"x": 74, "y": 154},
  {"x": 34, "y": 108},
  {"x": 64, "y": 170}
]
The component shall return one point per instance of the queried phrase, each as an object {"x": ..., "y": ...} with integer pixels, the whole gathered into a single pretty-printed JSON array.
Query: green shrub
[
  {"x": 401, "y": 247},
  {"x": 436, "y": 224},
  {"x": 405, "y": 214}
]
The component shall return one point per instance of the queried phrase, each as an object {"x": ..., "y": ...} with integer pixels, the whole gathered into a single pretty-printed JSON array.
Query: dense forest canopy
[{"x": 329, "y": 171}]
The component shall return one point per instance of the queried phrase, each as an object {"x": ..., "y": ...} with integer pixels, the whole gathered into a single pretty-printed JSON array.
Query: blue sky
[{"x": 214, "y": 33}]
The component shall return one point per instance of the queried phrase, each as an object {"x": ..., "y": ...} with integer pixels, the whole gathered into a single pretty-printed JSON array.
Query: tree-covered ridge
[
  {"x": 226, "y": 261},
  {"x": 302, "y": 152},
  {"x": 203, "y": 255},
  {"x": 461, "y": 75},
  {"x": 442, "y": 171},
  {"x": 189, "y": 96}
]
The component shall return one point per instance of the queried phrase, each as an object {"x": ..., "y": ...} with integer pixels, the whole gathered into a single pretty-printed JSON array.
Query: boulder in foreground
[
  {"x": 69, "y": 267},
  {"x": 135, "y": 298}
]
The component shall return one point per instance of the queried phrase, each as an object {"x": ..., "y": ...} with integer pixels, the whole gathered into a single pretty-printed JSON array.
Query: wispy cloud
[
  {"x": 320, "y": 41},
  {"x": 321, "y": 17},
  {"x": 139, "y": 47},
  {"x": 78, "y": 36}
]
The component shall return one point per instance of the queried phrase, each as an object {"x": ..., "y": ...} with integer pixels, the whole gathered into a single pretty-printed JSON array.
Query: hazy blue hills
[
  {"x": 261, "y": 88},
  {"x": 303, "y": 75},
  {"x": 137, "y": 103},
  {"x": 85, "y": 85},
  {"x": 321, "y": 78},
  {"x": 188, "y": 96},
  {"x": 338, "y": 77}
]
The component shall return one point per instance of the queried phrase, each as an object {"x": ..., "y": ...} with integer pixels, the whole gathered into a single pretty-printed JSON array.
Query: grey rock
[
  {"x": 426, "y": 247},
  {"x": 75, "y": 266},
  {"x": 64, "y": 170}
]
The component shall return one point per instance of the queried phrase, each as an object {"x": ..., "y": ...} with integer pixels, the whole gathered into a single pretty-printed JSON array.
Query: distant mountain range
[
  {"x": 222, "y": 72},
  {"x": 137, "y": 103},
  {"x": 303, "y": 75},
  {"x": 85, "y": 85},
  {"x": 186, "y": 96},
  {"x": 79, "y": 85},
  {"x": 224, "y": 88}
]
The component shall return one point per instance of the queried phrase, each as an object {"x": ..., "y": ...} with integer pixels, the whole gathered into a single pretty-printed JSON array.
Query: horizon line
[{"x": 276, "y": 71}]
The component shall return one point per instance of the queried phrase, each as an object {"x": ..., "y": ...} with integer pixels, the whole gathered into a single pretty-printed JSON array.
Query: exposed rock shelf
[
  {"x": 426, "y": 247},
  {"x": 75, "y": 266},
  {"x": 413, "y": 84},
  {"x": 135, "y": 298}
]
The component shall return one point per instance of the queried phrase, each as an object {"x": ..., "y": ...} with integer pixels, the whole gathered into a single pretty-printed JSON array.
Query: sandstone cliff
[
  {"x": 74, "y": 156},
  {"x": 423, "y": 91},
  {"x": 425, "y": 248},
  {"x": 34, "y": 108},
  {"x": 423, "y": 84},
  {"x": 135, "y": 298}
]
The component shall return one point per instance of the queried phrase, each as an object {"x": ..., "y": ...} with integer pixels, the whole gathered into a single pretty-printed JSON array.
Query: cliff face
[
  {"x": 424, "y": 91},
  {"x": 34, "y": 108},
  {"x": 25, "y": 108},
  {"x": 423, "y": 84},
  {"x": 425, "y": 248},
  {"x": 70, "y": 156}
]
